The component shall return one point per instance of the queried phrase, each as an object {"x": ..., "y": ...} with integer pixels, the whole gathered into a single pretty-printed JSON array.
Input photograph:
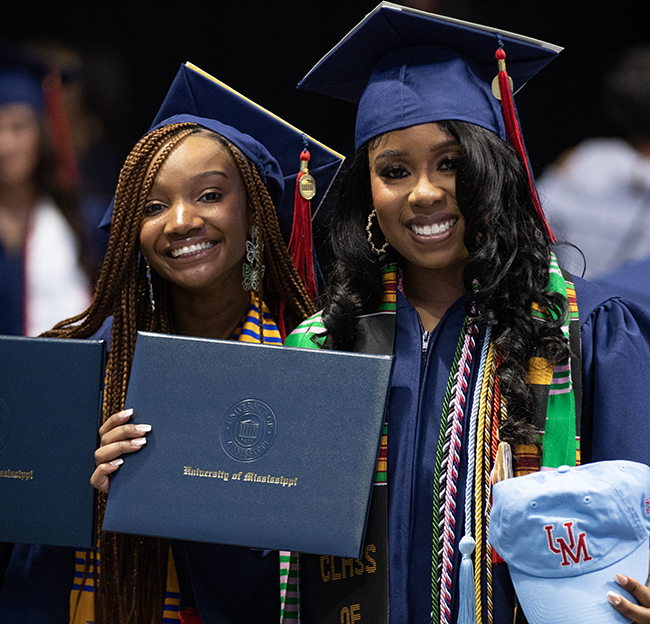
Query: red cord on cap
[{"x": 515, "y": 137}]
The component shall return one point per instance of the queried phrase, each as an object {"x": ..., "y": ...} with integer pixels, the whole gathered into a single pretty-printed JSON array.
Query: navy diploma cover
[
  {"x": 251, "y": 445},
  {"x": 50, "y": 408}
]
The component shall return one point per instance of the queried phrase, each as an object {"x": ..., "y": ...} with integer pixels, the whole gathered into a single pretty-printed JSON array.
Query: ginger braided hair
[{"x": 134, "y": 568}]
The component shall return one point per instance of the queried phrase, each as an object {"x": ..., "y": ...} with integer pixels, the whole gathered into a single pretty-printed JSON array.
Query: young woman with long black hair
[{"x": 505, "y": 363}]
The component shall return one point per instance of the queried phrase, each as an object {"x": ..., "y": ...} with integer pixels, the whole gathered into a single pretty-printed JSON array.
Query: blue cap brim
[{"x": 579, "y": 599}]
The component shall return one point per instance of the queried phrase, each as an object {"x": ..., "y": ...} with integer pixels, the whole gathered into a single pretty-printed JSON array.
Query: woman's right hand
[{"x": 116, "y": 438}]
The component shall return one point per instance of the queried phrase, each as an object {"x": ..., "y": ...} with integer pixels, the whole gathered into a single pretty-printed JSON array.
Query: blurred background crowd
[{"x": 107, "y": 65}]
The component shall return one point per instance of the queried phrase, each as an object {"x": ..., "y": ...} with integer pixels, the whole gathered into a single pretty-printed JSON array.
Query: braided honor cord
[
  {"x": 453, "y": 463},
  {"x": 439, "y": 482}
]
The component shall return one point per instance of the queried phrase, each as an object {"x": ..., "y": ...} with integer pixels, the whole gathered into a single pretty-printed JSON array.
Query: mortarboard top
[
  {"x": 435, "y": 67},
  {"x": 268, "y": 141}
]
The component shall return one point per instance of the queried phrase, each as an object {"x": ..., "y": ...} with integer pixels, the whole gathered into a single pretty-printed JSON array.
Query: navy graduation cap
[
  {"x": 29, "y": 77},
  {"x": 23, "y": 72},
  {"x": 406, "y": 67},
  {"x": 271, "y": 143},
  {"x": 20, "y": 86}
]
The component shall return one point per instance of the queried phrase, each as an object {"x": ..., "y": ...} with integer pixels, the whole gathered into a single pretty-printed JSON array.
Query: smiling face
[
  {"x": 19, "y": 144},
  {"x": 196, "y": 219},
  {"x": 413, "y": 183}
]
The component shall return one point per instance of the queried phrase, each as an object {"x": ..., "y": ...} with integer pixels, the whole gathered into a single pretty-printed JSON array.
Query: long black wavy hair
[{"x": 506, "y": 271}]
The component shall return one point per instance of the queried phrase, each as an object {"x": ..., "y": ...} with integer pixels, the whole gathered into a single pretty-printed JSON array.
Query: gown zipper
[{"x": 426, "y": 337}]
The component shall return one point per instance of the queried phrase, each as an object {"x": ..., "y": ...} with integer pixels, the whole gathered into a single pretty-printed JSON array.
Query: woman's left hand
[{"x": 640, "y": 614}]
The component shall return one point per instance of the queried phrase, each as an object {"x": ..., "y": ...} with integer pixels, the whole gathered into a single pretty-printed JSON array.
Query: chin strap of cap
[{"x": 513, "y": 131}]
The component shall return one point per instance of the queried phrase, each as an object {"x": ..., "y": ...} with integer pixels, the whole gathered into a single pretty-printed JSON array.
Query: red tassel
[
  {"x": 496, "y": 559},
  {"x": 190, "y": 616},
  {"x": 514, "y": 134},
  {"x": 301, "y": 245},
  {"x": 60, "y": 129}
]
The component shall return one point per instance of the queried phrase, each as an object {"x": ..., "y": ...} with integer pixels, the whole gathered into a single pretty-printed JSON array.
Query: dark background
[{"x": 132, "y": 50}]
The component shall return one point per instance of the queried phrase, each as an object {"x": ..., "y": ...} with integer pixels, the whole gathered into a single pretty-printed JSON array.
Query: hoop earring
[
  {"x": 253, "y": 270},
  {"x": 381, "y": 250},
  {"x": 152, "y": 301}
]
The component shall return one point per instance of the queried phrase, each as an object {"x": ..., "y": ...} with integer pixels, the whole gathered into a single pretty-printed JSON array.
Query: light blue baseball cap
[{"x": 565, "y": 533}]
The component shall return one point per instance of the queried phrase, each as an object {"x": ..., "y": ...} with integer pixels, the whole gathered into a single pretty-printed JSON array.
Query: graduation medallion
[
  {"x": 307, "y": 186},
  {"x": 496, "y": 91}
]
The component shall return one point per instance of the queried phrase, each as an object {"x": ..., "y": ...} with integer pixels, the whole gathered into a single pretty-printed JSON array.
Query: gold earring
[{"x": 381, "y": 250}]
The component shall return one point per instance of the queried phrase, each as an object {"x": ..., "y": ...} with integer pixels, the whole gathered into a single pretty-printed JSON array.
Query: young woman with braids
[
  {"x": 195, "y": 249},
  {"x": 502, "y": 360}
]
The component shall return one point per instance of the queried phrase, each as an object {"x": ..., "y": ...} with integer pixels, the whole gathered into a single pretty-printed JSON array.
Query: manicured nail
[
  {"x": 117, "y": 462},
  {"x": 127, "y": 413},
  {"x": 621, "y": 579},
  {"x": 138, "y": 441},
  {"x": 613, "y": 598},
  {"x": 145, "y": 428}
]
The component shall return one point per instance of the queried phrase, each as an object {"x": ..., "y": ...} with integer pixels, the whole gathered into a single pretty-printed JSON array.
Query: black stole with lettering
[{"x": 335, "y": 590}]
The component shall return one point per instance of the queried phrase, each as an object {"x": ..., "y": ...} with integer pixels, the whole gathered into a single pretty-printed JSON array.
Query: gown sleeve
[{"x": 616, "y": 391}]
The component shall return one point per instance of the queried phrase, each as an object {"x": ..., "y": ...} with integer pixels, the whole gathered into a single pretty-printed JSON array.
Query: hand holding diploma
[{"x": 117, "y": 438}]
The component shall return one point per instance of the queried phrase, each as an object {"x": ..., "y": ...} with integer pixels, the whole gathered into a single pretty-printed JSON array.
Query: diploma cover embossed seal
[
  {"x": 248, "y": 430},
  {"x": 5, "y": 424}
]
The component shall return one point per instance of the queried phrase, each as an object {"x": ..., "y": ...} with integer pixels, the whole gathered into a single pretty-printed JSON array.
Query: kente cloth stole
[
  {"x": 82, "y": 599},
  {"x": 559, "y": 389},
  {"x": 330, "y": 590}
]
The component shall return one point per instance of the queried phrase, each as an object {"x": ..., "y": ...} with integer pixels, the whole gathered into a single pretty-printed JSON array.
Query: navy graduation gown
[
  {"x": 11, "y": 294},
  {"x": 616, "y": 405}
]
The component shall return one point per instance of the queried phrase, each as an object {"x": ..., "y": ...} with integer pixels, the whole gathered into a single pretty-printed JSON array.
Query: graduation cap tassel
[
  {"x": 59, "y": 125},
  {"x": 515, "y": 136},
  {"x": 301, "y": 244}
]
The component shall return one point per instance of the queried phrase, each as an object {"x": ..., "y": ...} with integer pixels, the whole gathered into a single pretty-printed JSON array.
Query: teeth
[
  {"x": 428, "y": 230},
  {"x": 190, "y": 249}
]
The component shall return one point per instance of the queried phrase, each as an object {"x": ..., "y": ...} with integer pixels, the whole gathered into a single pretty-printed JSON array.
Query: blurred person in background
[
  {"x": 47, "y": 261},
  {"x": 597, "y": 195}
]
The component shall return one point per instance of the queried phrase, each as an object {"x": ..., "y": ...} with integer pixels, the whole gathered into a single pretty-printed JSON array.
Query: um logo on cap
[{"x": 573, "y": 551}]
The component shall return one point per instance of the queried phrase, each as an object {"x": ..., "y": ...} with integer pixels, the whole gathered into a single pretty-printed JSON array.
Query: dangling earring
[
  {"x": 151, "y": 299},
  {"x": 253, "y": 269},
  {"x": 381, "y": 250}
]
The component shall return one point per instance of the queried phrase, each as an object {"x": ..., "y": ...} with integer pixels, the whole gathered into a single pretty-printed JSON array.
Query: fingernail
[
  {"x": 117, "y": 462},
  {"x": 127, "y": 413},
  {"x": 621, "y": 579},
  {"x": 138, "y": 441},
  {"x": 144, "y": 428},
  {"x": 613, "y": 598}
]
